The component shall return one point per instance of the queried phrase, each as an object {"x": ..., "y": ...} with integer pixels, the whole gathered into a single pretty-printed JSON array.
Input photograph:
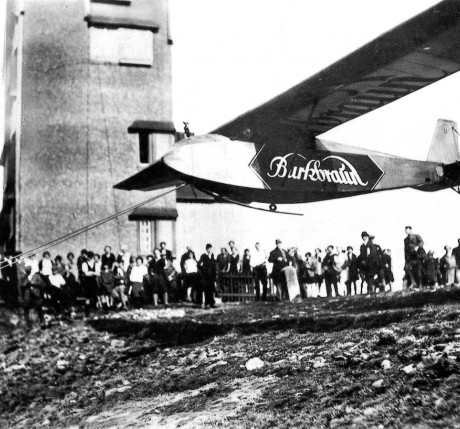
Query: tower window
[
  {"x": 123, "y": 46},
  {"x": 145, "y": 236},
  {"x": 144, "y": 144}
]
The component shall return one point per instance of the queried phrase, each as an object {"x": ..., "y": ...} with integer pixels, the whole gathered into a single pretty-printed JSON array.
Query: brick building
[{"x": 87, "y": 103}]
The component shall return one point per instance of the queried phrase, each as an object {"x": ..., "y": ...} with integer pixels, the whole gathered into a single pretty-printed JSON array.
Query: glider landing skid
[{"x": 272, "y": 208}]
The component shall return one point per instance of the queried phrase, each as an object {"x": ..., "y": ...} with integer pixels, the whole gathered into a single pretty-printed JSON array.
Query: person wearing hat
[
  {"x": 279, "y": 258},
  {"x": 351, "y": 264},
  {"x": 370, "y": 259},
  {"x": 208, "y": 271},
  {"x": 412, "y": 267}
]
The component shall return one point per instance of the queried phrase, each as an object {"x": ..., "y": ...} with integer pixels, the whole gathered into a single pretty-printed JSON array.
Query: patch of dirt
[{"x": 324, "y": 364}]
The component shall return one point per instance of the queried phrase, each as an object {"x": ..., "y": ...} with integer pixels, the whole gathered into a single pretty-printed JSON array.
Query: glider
[{"x": 273, "y": 154}]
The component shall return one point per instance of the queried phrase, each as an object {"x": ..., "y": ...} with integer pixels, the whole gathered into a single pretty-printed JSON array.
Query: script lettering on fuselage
[
  {"x": 345, "y": 174},
  {"x": 315, "y": 170}
]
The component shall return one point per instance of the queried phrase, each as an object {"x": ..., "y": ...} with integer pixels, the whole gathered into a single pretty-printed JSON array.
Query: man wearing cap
[
  {"x": 278, "y": 257},
  {"x": 208, "y": 271},
  {"x": 413, "y": 254}
]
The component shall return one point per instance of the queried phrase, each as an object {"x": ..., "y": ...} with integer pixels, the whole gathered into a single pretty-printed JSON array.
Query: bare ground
[{"x": 387, "y": 361}]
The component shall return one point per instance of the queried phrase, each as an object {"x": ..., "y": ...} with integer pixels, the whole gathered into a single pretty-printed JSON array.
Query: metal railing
[{"x": 240, "y": 287}]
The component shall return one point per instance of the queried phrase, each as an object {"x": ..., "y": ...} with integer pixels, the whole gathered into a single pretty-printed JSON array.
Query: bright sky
[{"x": 232, "y": 55}]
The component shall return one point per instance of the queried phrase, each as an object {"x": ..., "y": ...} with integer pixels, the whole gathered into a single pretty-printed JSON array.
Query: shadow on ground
[{"x": 318, "y": 316}]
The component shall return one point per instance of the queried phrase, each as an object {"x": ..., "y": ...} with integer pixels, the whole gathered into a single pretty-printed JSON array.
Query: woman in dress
[
  {"x": 136, "y": 277},
  {"x": 234, "y": 261}
]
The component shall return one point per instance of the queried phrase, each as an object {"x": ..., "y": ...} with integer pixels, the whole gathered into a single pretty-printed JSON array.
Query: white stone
[{"x": 254, "y": 363}]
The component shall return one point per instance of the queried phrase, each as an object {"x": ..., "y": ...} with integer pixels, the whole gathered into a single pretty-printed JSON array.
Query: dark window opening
[{"x": 144, "y": 148}]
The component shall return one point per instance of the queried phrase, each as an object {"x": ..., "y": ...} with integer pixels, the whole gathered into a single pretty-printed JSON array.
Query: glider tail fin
[{"x": 444, "y": 144}]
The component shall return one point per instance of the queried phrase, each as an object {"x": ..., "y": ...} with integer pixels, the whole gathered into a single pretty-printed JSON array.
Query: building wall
[{"x": 74, "y": 140}]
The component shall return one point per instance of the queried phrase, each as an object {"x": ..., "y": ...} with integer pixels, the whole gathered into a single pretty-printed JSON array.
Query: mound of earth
[{"x": 390, "y": 361}]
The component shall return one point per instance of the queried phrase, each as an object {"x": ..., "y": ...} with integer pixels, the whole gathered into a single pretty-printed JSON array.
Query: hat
[
  {"x": 364, "y": 234},
  {"x": 349, "y": 248},
  {"x": 278, "y": 241}
]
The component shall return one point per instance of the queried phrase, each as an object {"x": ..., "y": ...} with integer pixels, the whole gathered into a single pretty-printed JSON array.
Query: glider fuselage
[{"x": 246, "y": 172}]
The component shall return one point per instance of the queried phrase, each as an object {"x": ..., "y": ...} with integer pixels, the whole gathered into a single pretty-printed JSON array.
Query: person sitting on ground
[
  {"x": 59, "y": 298},
  {"x": 46, "y": 264},
  {"x": 32, "y": 295},
  {"x": 72, "y": 265},
  {"x": 33, "y": 263},
  {"x": 59, "y": 265},
  {"x": 119, "y": 290}
]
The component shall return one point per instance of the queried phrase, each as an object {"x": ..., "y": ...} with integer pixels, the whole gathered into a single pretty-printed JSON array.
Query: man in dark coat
[
  {"x": 279, "y": 258},
  {"x": 430, "y": 270},
  {"x": 352, "y": 264},
  {"x": 207, "y": 267},
  {"x": 108, "y": 258},
  {"x": 329, "y": 272},
  {"x": 387, "y": 268},
  {"x": 413, "y": 258},
  {"x": 165, "y": 251},
  {"x": 371, "y": 261}
]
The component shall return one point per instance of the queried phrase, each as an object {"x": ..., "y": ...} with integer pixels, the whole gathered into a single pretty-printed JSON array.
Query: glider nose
[{"x": 214, "y": 158}]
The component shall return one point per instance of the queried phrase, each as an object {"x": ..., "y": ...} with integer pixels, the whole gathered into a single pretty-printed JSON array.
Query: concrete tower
[{"x": 79, "y": 73}]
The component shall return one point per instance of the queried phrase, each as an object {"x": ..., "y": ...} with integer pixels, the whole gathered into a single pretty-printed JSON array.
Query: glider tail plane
[{"x": 444, "y": 145}]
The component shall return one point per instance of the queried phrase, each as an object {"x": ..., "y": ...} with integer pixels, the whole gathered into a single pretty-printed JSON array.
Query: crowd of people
[{"x": 112, "y": 282}]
